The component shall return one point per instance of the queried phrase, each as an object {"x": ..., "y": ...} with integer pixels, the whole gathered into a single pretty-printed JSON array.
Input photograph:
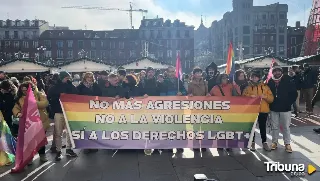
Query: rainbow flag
[
  {"x": 230, "y": 69},
  {"x": 7, "y": 144},
  {"x": 101, "y": 127},
  {"x": 178, "y": 68}
]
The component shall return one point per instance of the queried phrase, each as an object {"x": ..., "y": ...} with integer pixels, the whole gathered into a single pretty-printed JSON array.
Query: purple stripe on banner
[{"x": 208, "y": 142}]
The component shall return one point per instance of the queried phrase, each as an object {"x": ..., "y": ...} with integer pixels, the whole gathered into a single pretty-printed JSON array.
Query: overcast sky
[{"x": 188, "y": 11}]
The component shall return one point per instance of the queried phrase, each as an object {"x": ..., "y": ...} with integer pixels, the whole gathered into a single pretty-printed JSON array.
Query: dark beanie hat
[
  {"x": 148, "y": 69},
  {"x": 64, "y": 74}
]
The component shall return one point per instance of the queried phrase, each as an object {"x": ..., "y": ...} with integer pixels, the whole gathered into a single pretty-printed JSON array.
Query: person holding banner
[
  {"x": 64, "y": 85},
  {"x": 225, "y": 88},
  {"x": 130, "y": 87},
  {"x": 42, "y": 104},
  {"x": 257, "y": 88},
  {"x": 89, "y": 87},
  {"x": 198, "y": 87}
]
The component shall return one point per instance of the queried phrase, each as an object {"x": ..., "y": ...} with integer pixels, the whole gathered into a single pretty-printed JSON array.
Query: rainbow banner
[{"x": 160, "y": 122}]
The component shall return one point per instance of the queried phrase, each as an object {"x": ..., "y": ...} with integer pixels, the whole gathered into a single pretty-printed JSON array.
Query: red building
[{"x": 295, "y": 40}]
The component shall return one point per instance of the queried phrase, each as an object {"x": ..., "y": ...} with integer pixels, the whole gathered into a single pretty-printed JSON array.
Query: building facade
[
  {"x": 202, "y": 50},
  {"x": 253, "y": 30},
  {"x": 295, "y": 40},
  {"x": 163, "y": 40},
  {"x": 155, "y": 39},
  {"x": 115, "y": 47},
  {"x": 20, "y": 38}
]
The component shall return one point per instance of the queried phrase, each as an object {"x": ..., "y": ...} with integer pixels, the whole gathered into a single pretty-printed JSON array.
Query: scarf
[
  {"x": 277, "y": 80},
  {"x": 88, "y": 84}
]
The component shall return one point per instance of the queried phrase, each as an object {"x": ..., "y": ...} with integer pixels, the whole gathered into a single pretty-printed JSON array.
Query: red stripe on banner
[{"x": 233, "y": 100}]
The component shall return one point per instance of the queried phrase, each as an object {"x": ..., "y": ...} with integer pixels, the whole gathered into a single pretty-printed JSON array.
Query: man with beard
[
  {"x": 212, "y": 74},
  {"x": 149, "y": 86},
  {"x": 64, "y": 85},
  {"x": 103, "y": 80},
  {"x": 285, "y": 94}
]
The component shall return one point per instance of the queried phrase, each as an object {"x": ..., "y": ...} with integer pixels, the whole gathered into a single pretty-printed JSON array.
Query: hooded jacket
[
  {"x": 259, "y": 90},
  {"x": 42, "y": 103}
]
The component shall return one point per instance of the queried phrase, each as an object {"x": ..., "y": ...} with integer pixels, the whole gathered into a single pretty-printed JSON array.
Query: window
[
  {"x": 151, "y": 34},
  {"x": 169, "y": 34},
  {"x": 47, "y": 43},
  {"x": 112, "y": 45},
  {"x": 293, "y": 40},
  {"x": 169, "y": 53},
  {"x": 7, "y": 44},
  {"x": 236, "y": 31},
  {"x": 6, "y": 34},
  {"x": 34, "y": 34},
  {"x": 186, "y": 34},
  {"x": 59, "y": 54},
  {"x": 122, "y": 54},
  {"x": 133, "y": 53},
  {"x": 60, "y": 44},
  {"x": 15, "y": 34},
  {"x": 35, "y": 44},
  {"x": 186, "y": 53},
  {"x": 178, "y": 34},
  {"x": 256, "y": 28},
  {"x": 272, "y": 17},
  {"x": 264, "y": 16},
  {"x": 103, "y": 54},
  {"x": 282, "y": 16},
  {"x": 263, "y": 38},
  {"x": 169, "y": 43},
  {"x": 271, "y": 38},
  {"x": 293, "y": 51},
  {"x": 25, "y": 34},
  {"x": 93, "y": 44},
  {"x": 121, "y": 45},
  {"x": 16, "y": 44},
  {"x": 263, "y": 49},
  {"x": 281, "y": 29},
  {"x": 25, "y": 44},
  {"x": 246, "y": 29},
  {"x": 93, "y": 54},
  {"x": 272, "y": 26},
  {"x": 255, "y": 49},
  {"x": 69, "y": 43},
  {"x": 281, "y": 39},
  {"x": 70, "y": 54},
  {"x": 159, "y": 35},
  {"x": 281, "y": 50},
  {"x": 246, "y": 40},
  {"x": 178, "y": 52},
  {"x": 47, "y": 54},
  {"x": 80, "y": 44}
]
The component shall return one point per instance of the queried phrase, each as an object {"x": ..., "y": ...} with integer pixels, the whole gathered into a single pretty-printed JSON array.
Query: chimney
[{"x": 297, "y": 24}]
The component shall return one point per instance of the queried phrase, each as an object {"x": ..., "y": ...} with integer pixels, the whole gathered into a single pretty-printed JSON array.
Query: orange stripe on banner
[{"x": 84, "y": 107}]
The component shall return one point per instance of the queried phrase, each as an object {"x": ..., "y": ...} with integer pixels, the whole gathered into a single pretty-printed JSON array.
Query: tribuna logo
[{"x": 294, "y": 169}]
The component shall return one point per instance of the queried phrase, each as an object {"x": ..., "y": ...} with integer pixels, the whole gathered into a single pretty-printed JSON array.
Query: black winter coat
[
  {"x": 149, "y": 87},
  {"x": 93, "y": 91},
  {"x": 285, "y": 94},
  {"x": 54, "y": 94}
]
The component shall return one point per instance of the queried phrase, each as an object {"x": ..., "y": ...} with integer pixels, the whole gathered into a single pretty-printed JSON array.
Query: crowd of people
[{"x": 280, "y": 94}]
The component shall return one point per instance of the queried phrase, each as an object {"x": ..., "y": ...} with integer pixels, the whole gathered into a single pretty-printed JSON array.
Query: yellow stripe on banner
[{"x": 226, "y": 117}]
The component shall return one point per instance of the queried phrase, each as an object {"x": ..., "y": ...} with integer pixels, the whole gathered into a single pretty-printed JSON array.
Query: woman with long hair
[
  {"x": 130, "y": 87},
  {"x": 42, "y": 103},
  {"x": 88, "y": 85},
  {"x": 240, "y": 79}
]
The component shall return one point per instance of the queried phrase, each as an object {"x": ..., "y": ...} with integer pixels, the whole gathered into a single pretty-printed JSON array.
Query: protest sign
[{"x": 160, "y": 122}]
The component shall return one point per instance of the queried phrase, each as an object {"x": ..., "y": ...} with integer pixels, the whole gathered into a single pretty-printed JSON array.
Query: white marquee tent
[
  {"x": 83, "y": 65},
  {"x": 20, "y": 66},
  {"x": 144, "y": 63}
]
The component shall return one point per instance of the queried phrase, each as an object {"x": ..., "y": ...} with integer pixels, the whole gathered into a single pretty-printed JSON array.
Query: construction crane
[{"x": 111, "y": 9}]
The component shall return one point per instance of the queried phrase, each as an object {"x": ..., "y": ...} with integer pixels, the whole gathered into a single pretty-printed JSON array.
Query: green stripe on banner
[{"x": 227, "y": 126}]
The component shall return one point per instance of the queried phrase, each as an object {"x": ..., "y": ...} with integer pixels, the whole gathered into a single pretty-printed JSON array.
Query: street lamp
[
  {"x": 41, "y": 48},
  {"x": 83, "y": 53}
]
